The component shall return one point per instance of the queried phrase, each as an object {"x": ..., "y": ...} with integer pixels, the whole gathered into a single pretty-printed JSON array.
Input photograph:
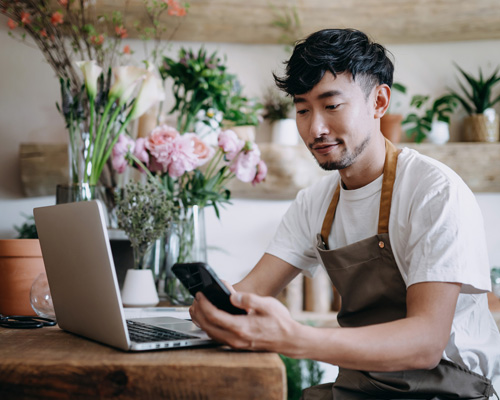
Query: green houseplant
[
  {"x": 144, "y": 212},
  {"x": 481, "y": 124},
  {"x": 433, "y": 124},
  {"x": 242, "y": 114},
  {"x": 201, "y": 86}
]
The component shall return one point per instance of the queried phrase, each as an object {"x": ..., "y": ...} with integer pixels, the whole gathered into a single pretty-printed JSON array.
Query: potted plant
[
  {"x": 242, "y": 114},
  {"x": 433, "y": 125},
  {"x": 201, "y": 85},
  {"x": 481, "y": 125},
  {"x": 277, "y": 110},
  {"x": 144, "y": 212},
  {"x": 20, "y": 264},
  {"x": 390, "y": 123}
]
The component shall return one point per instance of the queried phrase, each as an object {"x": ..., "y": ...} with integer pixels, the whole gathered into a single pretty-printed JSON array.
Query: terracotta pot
[
  {"x": 20, "y": 264},
  {"x": 390, "y": 125},
  {"x": 480, "y": 128}
]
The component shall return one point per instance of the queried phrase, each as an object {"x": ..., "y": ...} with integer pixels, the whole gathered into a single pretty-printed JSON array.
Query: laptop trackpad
[{"x": 175, "y": 324}]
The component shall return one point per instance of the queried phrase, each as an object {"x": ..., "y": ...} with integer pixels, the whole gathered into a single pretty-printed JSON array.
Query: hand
[
  {"x": 193, "y": 308},
  {"x": 268, "y": 325}
]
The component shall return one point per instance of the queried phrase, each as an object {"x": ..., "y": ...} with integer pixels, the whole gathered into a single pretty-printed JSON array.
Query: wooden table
[{"x": 50, "y": 363}]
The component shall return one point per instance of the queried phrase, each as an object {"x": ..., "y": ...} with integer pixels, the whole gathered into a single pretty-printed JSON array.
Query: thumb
[{"x": 248, "y": 301}]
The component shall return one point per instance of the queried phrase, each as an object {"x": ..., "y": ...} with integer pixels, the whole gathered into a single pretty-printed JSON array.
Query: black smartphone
[{"x": 198, "y": 276}]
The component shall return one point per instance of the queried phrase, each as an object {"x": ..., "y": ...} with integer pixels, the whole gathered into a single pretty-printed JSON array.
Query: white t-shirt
[{"x": 436, "y": 232}]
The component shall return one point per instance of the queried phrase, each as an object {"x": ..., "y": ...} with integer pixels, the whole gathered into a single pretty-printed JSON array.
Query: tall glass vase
[
  {"x": 83, "y": 192},
  {"x": 185, "y": 242}
]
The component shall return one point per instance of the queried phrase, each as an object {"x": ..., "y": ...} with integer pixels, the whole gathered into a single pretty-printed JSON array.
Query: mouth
[{"x": 325, "y": 148}]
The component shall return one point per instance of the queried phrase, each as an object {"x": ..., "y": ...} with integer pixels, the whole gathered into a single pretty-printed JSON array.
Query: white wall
[{"x": 29, "y": 91}]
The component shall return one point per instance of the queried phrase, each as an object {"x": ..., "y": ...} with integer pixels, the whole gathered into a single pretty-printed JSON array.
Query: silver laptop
[{"x": 84, "y": 287}]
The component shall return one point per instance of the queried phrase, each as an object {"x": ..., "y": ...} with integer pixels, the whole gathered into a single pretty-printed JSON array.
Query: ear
[{"x": 381, "y": 100}]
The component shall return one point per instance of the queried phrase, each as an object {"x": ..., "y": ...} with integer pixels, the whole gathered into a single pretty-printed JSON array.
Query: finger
[
  {"x": 228, "y": 285},
  {"x": 193, "y": 314},
  {"x": 211, "y": 316},
  {"x": 212, "y": 321},
  {"x": 250, "y": 302}
]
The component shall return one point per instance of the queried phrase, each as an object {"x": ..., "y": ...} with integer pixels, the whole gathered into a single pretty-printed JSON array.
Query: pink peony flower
[
  {"x": 160, "y": 143},
  {"x": 140, "y": 151},
  {"x": 203, "y": 151},
  {"x": 245, "y": 164},
  {"x": 261, "y": 173},
  {"x": 230, "y": 144},
  {"x": 120, "y": 150},
  {"x": 183, "y": 158}
]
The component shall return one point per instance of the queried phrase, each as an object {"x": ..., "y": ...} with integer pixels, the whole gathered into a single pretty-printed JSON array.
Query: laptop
[{"x": 84, "y": 288}]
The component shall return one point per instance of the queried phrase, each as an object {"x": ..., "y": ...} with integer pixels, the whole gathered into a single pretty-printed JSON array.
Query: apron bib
[{"x": 372, "y": 290}]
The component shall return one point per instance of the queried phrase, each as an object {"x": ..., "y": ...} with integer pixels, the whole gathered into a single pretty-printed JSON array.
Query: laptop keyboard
[{"x": 142, "y": 333}]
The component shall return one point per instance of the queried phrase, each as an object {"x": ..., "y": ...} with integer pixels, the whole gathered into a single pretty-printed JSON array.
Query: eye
[
  {"x": 332, "y": 106},
  {"x": 302, "y": 112}
]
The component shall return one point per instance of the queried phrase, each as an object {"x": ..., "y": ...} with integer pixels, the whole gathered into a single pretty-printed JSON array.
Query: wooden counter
[{"x": 49, "y": 363}]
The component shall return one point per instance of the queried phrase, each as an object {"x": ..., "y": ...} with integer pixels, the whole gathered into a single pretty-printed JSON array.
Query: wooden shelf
[
  {"x": 292, "y": 168},
  {"x": 387, "y": 21}
]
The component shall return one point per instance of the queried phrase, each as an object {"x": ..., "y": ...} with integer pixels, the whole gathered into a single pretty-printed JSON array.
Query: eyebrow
[{"x": 324, "y": 95}]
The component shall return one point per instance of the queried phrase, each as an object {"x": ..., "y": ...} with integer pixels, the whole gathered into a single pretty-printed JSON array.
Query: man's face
[{"x": 336, "y": 120}]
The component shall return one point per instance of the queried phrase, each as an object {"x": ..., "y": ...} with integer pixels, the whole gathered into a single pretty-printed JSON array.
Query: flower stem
[
  {"x": 102, "y": 160},
  {"x": 91, "y": 131}
]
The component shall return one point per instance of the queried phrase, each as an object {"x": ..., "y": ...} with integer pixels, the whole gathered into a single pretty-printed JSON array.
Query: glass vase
[
  {"x": 185, "y": 241},
  {"x": 83, "y": 192}
]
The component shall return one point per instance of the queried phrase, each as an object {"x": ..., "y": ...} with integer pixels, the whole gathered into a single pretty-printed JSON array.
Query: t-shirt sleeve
[
  {"x": 293, "y": 241},
  {"x": 446, "y": 240}
]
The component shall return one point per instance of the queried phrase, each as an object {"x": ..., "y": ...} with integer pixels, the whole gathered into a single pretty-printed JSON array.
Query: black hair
[{"x": 337, "y": 51}]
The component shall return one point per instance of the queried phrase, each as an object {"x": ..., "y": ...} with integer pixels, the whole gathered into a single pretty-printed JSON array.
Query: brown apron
[{"x": 369, "y": 282}]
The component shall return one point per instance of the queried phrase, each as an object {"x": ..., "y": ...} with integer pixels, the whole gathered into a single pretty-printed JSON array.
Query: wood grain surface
[
  {"x": 387, "y": 21},
  {"x": 49, "y": 363}
]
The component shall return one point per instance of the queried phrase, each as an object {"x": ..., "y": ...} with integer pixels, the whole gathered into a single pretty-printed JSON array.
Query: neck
[{"x": 367, "y": 167}]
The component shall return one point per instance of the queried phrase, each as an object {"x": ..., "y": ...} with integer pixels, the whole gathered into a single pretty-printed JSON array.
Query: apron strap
[
  {"x": 390, "y": 164},
  {"x": 330, "y": 214},
  {"x": 391, "y": 160}
]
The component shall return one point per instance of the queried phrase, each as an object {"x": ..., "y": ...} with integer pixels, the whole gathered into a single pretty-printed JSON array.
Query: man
[{"x": 399, "y": 234}]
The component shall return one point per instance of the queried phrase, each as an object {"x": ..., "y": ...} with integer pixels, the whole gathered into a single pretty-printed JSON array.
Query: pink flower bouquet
[{"x": 191, "y": 172}]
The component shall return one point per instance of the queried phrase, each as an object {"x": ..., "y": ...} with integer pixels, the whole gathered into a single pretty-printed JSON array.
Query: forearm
[
  {"x": 268, "y": 277},
  {"x": 399, "y": 345},
  {"x": 414, "y": 342}
]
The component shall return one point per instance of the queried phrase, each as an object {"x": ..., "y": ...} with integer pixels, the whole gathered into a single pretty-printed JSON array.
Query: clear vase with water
[{"x": 184, "y": 242}]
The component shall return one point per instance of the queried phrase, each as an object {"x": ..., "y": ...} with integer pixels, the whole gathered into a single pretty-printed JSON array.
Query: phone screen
[{"x": 199, "y": 276}]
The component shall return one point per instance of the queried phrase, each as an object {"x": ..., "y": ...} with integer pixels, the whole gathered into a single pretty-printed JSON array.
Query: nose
[{"x": 317, "y": 125}]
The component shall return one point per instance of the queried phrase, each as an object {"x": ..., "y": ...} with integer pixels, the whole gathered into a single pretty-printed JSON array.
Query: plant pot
[
  {"x": 439, "y": 133},
  {"x": 20, "y": 264},
  {"x": 139, "y": 289},
  {"x": 390, "y": 125},
  {"x": 481, "y": 127},
  {"x": 285, "y": 132}
]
